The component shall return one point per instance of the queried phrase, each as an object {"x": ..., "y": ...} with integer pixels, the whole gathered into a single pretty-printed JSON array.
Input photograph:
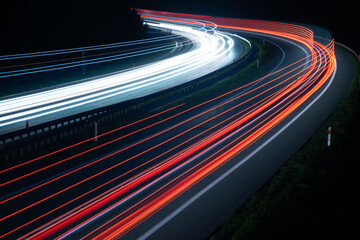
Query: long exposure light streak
[
  {"x": 81, "y": 49},
  {"x": 80, "y": 62},
  {"x": 123, "y": 86},
  {"x": 234, "y": 123}
]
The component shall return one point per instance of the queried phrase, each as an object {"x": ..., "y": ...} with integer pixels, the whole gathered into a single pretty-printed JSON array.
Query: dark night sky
[
  {"x": 302, "y": 10},
  {"x": 340, "y": 17}
]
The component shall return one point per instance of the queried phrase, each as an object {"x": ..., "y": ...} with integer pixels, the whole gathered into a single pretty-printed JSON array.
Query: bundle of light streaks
[
  {"x": 236, "y": 120},
  {"x": 119, "y": 225},
  {"x": 209, "y": 49},
  {"x": 110, "y": 46},
  {"x": 91, "y": 59}
]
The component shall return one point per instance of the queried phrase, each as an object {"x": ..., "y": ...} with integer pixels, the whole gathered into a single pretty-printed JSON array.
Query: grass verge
[{"x": 314, "y": 193}]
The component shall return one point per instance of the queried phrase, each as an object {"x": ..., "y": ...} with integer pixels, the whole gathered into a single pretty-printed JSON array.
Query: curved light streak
[
  {"x": 82, "y": 49},
  {"x": 270, "y": 102},
  {"x": 124, "y": 86}
]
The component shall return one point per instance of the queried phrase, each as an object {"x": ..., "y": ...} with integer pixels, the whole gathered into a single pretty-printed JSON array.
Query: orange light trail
[
  {"x": 132, "y": 220},
  {"x": 292, "y": 88}
]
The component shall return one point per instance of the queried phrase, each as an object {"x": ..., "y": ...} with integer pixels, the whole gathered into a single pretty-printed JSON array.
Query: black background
[{"x": 341, "y": 18}]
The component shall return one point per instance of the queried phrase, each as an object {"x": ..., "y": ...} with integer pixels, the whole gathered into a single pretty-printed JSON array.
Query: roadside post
[{"x": 96, "y": 132}]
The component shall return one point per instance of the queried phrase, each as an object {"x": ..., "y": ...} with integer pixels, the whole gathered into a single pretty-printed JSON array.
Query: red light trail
[{"x": 192, "y": 149}]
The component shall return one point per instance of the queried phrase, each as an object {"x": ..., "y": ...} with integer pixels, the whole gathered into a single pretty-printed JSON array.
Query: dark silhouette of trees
[{"x": 34, "y": 25}]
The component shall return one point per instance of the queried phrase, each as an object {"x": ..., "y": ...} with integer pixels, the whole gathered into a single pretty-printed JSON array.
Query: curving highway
[{"x": 165, "y": 176}]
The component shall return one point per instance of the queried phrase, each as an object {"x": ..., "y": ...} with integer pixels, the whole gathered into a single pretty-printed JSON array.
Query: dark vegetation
[
  {"x": 314, "y": 194},
  {"x": 35, "y": 25}
]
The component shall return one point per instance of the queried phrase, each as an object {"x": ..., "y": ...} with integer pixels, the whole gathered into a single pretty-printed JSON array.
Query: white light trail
[{"x": 209, "y": 53}]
